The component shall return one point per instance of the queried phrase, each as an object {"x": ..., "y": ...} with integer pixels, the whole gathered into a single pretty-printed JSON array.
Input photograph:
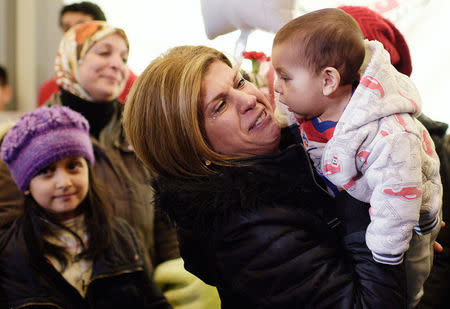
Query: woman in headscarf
[{"x": 91, "y": 72}]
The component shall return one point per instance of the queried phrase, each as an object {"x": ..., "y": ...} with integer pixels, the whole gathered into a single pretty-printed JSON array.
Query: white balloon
[{"x": 222, "y": 16}]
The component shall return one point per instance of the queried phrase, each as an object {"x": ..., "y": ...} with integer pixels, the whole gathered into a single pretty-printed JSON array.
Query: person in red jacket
[{"x": 70, "y": 15}]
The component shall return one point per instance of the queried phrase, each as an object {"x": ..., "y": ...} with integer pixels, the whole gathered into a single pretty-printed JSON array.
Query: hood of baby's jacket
[{"x": 382, "y": 91}]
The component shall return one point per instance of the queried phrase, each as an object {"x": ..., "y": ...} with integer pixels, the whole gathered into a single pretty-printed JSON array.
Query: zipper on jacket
[
  {"x": 311, "y": 170},
  {"x": 333, "y": 223},
  {"x": 127, "y": 271},
  {"x": 37, "y": 304}
]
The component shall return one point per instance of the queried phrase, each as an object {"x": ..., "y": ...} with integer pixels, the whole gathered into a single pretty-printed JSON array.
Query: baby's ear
[{"x": 330, "y": 80}]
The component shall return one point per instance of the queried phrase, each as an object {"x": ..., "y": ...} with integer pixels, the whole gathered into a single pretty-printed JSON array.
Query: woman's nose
[
  {"x": 117, "y": 62},
  {"x": 244, "y": 101}
]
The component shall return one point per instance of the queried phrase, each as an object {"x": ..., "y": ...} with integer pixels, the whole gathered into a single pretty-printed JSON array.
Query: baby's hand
[{"x": 437, "y": 246}]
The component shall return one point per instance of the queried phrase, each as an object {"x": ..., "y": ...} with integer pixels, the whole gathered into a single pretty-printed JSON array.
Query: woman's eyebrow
[
  {"x": 222, "y": 94},
  {"x": 217, "y": 97}
]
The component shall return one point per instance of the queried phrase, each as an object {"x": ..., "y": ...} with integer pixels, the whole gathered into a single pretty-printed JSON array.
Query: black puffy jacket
[
  {"x": 266, "y": 234},
  {"x": 119, "y": 277},
  {"x": 437, "y": 286}
]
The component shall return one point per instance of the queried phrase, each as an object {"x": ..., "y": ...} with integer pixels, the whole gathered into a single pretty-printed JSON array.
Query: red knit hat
[{"x": 376, "y": 27}]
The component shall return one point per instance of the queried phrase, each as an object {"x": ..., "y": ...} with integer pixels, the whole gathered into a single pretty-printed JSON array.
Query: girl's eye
[
  {"x": 73, "y": 165},
  {"x": 46, "y": 171},
  {"x": 43, "y": 171}
]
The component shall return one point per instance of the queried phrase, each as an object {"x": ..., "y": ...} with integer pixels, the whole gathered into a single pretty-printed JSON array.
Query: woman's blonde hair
[{"x": 162, "y": 118}]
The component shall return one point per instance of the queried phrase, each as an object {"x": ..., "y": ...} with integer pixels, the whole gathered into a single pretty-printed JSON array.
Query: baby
[{"x": 356, "y": 114}]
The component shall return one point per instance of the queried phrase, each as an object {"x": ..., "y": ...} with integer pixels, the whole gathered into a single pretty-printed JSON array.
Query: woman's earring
[
  {"x": 27, "y": 192},
  {"x": 207, "y": 162}
]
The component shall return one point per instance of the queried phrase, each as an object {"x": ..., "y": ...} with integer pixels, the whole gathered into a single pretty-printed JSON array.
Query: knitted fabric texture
[
  {"x": 43, "y": 136},
  {"x": 376, "y": 27}
]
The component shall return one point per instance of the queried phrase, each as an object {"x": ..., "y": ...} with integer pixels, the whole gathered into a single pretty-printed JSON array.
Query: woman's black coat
[
  {"x": 267, "y": 235},
  {"x": 437, "y": 286}
]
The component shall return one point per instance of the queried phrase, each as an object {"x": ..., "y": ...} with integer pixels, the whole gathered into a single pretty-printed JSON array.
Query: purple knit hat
[{"x": 43, "y": 136}]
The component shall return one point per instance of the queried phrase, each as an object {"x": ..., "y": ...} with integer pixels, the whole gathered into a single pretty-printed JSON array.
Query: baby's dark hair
[
  {"x": 84, "y": 7},
  {"x": 3, "y": 76},
  {"x": 325, "y": 38}
]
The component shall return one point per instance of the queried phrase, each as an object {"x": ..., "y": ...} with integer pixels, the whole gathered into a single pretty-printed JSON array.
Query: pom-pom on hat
[
  {"x": 43, "y": 136},
  {"x": 376, "y": 27}
]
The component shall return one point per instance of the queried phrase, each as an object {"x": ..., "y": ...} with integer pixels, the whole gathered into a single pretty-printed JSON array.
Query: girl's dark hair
[{"x": 97, "y": 215}]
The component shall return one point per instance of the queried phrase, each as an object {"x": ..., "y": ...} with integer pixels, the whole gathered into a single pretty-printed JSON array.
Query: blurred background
[{"x": 30, "y": 33}]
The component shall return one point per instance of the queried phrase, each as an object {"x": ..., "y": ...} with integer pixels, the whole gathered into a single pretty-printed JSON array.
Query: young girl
[{"x": 66, "y": 251}]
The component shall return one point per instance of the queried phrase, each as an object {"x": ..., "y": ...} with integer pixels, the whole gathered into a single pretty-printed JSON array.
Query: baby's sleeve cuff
[{"x": 388, "y": 258}]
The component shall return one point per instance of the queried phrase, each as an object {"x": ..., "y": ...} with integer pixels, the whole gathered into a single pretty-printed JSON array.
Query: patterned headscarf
[{"x": 73, "y": 47}]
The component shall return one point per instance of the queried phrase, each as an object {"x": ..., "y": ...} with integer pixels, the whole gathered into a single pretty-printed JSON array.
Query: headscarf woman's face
[
  {"x": 91, "y": 61},
  {"x": 238, "y": 118},
  {"x": 103, "y": 71}
]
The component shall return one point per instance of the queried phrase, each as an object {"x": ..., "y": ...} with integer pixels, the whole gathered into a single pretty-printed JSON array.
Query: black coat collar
[{"x": 200, "y": 203}]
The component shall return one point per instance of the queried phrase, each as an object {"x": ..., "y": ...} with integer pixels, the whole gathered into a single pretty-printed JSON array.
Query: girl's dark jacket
[
  {"x": 120, "y": 278},
  {"x": 267, "y": 236}
]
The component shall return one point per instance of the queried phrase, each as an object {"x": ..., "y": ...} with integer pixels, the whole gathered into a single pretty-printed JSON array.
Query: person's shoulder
[
  {"x": 124, "y": 239},
  {"x": 49, "y": 84},
  {"x": 290, "y": 135},
  {"x": 11, "y": 235},
  {"x": 7, "y": 121},
  {"x": 435, "y": 128},
  {"x": 120, "y": 224},
  {"x": 131, "y": 75},
  {"x": 4, "y": 128},
  {"x": 53, "y": 99},
  {"x": 122, "y": 229},
  {"x": 46, "y": 90}
]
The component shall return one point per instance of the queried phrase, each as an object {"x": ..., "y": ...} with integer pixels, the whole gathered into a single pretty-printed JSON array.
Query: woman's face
[
  {"x": 238, "y": 118},
  {"x": 103, "y": 71}
]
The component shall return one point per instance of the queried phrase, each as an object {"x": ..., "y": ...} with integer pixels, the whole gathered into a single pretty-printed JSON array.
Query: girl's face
[
  {"x": 61, "y": 187},
  {"x": 238, "y": 118},
  {"x": 103, "y": 71}
]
